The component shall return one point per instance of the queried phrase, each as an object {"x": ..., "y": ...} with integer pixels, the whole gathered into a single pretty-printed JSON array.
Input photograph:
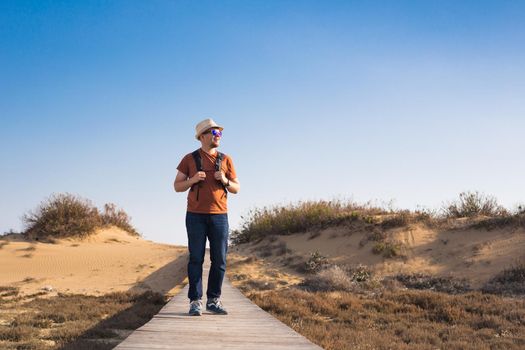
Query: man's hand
[
  {"x": 198, "y": 177},
  {"x": 219, "y": 175}
]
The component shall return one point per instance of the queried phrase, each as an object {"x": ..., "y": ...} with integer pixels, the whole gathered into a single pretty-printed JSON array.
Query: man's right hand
[{"x": 198, "y": 177}]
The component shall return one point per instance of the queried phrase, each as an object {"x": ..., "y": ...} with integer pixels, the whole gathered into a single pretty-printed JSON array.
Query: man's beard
[{"x": 214, "y": 144}]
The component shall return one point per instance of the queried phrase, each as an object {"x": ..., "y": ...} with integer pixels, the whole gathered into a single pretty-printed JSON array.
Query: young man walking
[{"x": 210, "y": 176}]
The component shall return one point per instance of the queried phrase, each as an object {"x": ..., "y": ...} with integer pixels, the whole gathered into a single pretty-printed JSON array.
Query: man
[{"x": 206, "y": 215}]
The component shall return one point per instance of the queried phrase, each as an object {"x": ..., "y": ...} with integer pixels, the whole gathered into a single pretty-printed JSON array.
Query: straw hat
[{"x": 205, "y": 125}]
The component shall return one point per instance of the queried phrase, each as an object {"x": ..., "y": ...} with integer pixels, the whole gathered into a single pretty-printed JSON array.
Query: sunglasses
[{"x": 214, "y": 132}]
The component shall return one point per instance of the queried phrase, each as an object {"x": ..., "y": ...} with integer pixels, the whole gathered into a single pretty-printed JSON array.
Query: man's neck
[{"x": 209, "y": 150}]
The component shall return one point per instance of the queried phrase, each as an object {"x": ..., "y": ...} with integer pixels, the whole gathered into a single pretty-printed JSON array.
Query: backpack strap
[
  {"x": 198, "y": 160},
  {"x": 198, "y": 164},
  {"x": 218, "y": 161},
  {"x": 218, "y": 164}
]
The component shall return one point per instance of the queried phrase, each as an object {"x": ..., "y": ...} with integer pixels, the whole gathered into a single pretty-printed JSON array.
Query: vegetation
[
  {"x": 298, "y": 218},
  {"x": 67, "y": 215},
  {"x": 510, "y": 281},
  {"x": 343, "y": 307},
  {"x": 339, "y": 278},
  {"x": 315, "y": 262},
  {"x": 71, "y": 321},
  {"x": 388, "y": 249},
  {"x": 117, "y": 217},
  {"x": 472, "y": 204},
  {"x": 399, "y": 319},
  {"x": 311, "y": 216},
  {"x": 439, "y": 284}
]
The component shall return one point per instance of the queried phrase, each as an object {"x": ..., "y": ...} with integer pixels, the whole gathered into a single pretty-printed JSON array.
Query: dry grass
[
  {"x": 439, "y": 284},
  {"x": 347, "y": 307},
  {"x": 332, "y": 278},
  {"x": 472, "y": 204},
  {"x": 399, "y": 319},
  {"x": 342, "y": 307},
  {"x": 510, "y": 281},
  {"x": 299, "y": 218},
  {"x": 72, "y": 321},
  {"x": 482, "y": 211}
]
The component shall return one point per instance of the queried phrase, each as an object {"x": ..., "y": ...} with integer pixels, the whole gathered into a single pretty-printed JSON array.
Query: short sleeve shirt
[{"x": 212, "y": 199}]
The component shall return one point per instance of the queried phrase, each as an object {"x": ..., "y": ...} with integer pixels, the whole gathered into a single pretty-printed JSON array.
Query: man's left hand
[{"x": 219, "y": 175}]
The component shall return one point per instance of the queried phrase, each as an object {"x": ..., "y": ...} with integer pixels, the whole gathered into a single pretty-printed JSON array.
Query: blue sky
[{"x": 410, "y": 101}]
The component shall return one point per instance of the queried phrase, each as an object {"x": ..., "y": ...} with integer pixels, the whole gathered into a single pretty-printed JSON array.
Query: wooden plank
[{"x": 245, "y": 327}]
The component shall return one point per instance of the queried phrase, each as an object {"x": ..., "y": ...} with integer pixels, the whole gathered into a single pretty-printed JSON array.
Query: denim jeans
[{"x": 215, "y": 228}]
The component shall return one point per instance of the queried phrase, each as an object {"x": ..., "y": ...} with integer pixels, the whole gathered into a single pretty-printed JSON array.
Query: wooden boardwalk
[{"x": 245, "y": 327}]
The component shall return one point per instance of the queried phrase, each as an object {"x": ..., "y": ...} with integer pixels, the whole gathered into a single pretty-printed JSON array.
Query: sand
[
  {"x": 111, "y": 260},
  {"x": 108, "y": 261},
  {"x": 476, "y": 255}
]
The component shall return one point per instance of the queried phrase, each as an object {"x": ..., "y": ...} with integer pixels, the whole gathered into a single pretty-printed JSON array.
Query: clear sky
[{"x": 411, "y": 101}]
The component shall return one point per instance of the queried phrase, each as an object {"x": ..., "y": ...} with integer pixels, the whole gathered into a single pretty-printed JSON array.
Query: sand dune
[
  {"x": 110, "y": 260},
  {"x": 474, "y": 254}
]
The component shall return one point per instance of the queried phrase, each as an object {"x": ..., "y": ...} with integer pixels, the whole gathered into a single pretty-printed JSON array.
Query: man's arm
[
  {"x": 182, "y": 183},
  {"x": 235, "y": 186}
]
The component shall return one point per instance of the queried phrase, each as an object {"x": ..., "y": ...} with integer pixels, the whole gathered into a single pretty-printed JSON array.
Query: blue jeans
[{"x": 198, "y": 227}]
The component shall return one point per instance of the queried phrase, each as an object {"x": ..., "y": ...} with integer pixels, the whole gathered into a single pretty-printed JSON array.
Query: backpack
[{"x": 198, "y": 163}]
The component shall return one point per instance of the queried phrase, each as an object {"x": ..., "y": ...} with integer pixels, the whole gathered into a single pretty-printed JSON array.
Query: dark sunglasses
[{"x": 214, "y": 132}]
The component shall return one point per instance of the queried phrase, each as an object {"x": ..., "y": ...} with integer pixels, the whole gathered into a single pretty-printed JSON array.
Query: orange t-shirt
[{"x": 212, "y": 199}]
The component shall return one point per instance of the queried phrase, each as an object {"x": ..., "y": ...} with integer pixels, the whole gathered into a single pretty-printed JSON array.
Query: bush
[
  {"x": 66, "y": 215},
  {"x": 315, "y": 262},
  {"x": 471, "y": 204},
  {"x": 62, "y": 215},
  {"x": 333, "y": 278},
  {"x": 388, "y": 249},
  {"x": 117, "y": 217},
  {"x": 360, "y": 273}
]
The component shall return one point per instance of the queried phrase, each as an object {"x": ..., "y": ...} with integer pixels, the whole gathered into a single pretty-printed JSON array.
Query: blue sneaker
[
  {"x": 215, "y": 305},
  {"x": 195, "y": 308}
]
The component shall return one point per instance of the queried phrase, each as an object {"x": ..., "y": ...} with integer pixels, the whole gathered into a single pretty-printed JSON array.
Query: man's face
[{"x": 211, "y": 137}]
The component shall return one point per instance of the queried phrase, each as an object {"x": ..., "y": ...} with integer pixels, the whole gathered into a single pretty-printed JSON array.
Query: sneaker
[
  {"x": 195, "y": 308},
  {"x": 215, "y": 305}
]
